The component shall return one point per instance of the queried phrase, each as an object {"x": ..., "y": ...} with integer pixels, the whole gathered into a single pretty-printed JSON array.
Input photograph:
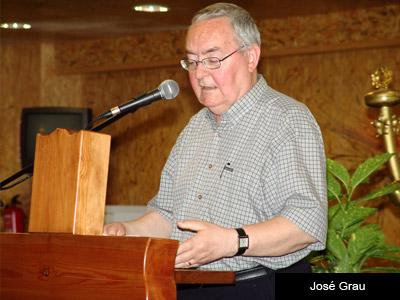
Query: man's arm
[
  {"x": 151, "y": 224},
  {"x": 276, "y": 237}
]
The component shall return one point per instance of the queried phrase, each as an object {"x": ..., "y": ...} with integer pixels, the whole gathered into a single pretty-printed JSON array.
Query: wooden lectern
[
  {"x": 65, "y": 256},
  {"x": 69, "y": 182}
]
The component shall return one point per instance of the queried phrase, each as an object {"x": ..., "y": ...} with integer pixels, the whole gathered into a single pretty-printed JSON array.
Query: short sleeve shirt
[{"x": 265, "y": 158}]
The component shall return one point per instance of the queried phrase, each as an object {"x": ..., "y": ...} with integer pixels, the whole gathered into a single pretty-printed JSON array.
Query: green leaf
[
  {"x": 355, "y": 219},
  {"x": 364, "y": 242},
  {"x": 347, "y": 218},
  {"x": 388, "y": 252},
  {"x": 388, "y": 257},
  {"x": 367, "y": 168},
  {"x": 388, "y": 189},
  {"x": 336, "y": 245},
  {"x": 332, "y": 212},
  {"x": 339, "y": 171},
  {"x": 333, "y": 187},
  {"x": 343, "y": 266},
  {"x": 393, "y": 249}
]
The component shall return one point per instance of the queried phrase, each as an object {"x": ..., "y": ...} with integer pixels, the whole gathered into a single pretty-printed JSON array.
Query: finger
[
  {"x": 183, "y": 265},
  {"x": 114, "y": 229},
  {"x": 183, "y": 256},
  {"x": 107, "y": 230},
  {"x": 185, "y": 246},
  {"x": 186, "y": 263},
  {"x": 111, "y": 230},
  {"x": 190, "y": 263},
  {"x": 192, "y": 225},
  {"x": 120, "y": 232}
]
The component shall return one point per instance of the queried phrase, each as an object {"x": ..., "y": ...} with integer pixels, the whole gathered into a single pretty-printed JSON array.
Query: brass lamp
[{"x": 387, "y": 125}]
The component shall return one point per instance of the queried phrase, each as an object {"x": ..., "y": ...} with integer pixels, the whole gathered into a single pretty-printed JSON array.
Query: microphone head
[{"x": 169, "y": 89}]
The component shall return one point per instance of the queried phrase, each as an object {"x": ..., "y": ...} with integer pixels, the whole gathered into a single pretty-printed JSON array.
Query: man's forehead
[
  {"x": 204, "y": 51},
  {"x": 209, "y": 36}
]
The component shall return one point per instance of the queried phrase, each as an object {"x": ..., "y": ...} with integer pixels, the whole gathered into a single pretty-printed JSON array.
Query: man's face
[{"x": 218, "y": 89}]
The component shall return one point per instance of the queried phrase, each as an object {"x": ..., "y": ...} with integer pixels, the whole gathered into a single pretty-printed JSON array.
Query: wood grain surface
[
  {"x": 69, "y": 182},
  {"x": 66, "y": 266}
]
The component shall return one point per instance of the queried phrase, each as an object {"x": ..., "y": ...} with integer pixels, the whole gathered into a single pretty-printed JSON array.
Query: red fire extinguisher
[{"x": 13, "y": 216}]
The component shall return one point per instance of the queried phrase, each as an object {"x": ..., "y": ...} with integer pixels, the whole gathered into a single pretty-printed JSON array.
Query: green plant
[{"x": 350, "y": 241}]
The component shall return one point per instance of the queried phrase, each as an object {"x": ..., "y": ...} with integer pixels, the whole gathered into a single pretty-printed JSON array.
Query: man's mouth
[{"x": 207, "y": 88}]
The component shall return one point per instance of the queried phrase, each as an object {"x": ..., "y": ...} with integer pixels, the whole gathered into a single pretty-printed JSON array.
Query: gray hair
[{"x": 245, "y": 28}]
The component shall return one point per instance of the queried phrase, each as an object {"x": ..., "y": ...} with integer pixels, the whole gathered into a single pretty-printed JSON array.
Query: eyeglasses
[{"x": 209, "y": 62}]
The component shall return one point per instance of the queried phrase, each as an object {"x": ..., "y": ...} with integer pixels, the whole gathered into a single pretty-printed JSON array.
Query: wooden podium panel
[
  {"x": 69, "y": 182},
  {"x": 69, "y": 267},
  {"x": 65, "y": 266}
]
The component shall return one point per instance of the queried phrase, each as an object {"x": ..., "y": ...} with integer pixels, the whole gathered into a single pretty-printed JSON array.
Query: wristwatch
[{"x": 243, "y": 244}]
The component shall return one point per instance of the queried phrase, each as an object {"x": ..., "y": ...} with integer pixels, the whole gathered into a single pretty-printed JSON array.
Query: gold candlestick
[{"x": 387, "y": 125}]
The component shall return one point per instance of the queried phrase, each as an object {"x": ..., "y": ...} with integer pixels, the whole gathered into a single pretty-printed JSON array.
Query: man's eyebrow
[{"x": 211, "y": 50}]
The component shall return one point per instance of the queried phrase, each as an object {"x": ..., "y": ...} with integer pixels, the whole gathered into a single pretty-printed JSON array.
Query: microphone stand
[{"x": 28, "y": 170}]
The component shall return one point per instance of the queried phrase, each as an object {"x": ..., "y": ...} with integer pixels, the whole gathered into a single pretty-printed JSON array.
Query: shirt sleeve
[{"x": 299, "y": 175}]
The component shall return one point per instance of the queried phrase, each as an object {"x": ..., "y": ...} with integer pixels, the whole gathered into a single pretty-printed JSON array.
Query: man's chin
[
  {"x": 215, "y": 109},
  {"x": 209, "y": 103}
]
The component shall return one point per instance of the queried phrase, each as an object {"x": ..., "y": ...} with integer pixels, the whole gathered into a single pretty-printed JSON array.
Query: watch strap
[{"x": 241, "y": 235}]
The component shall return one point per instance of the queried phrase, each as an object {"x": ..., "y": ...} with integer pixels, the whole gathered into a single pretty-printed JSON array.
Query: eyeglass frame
[{"x": 183, "y": 61}]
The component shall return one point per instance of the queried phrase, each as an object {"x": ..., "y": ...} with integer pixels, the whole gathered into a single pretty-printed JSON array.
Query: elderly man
[{"x": 244, "y": 186}]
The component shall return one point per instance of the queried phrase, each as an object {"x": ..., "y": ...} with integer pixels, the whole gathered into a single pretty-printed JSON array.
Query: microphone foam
[{"x": 169, "y": 89}]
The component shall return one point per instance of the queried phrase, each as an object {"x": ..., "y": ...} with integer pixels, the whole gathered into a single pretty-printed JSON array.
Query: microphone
[{"x": 168, "y": 89}]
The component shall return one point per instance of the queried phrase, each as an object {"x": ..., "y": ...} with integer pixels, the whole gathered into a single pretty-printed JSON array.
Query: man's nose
[{"x": 201, "y": 70}]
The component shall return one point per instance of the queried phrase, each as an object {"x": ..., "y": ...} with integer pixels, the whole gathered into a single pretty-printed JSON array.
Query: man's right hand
[
  {"x": 117, "y": 228},
  {"x": 152, "y": 224}
]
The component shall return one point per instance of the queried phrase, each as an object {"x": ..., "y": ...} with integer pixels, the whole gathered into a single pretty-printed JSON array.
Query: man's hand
[
  {"x": 210, "y": 243},
  {"x": 152, "y": 224},
  {"x": 114, "y": 229}
]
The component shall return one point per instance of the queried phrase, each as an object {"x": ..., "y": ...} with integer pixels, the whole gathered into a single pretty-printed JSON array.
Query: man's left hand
[{"x": 210, "y": 243}]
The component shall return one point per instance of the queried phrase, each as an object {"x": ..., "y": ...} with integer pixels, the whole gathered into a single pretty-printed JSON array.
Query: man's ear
[{"x": 253, "y": 54}]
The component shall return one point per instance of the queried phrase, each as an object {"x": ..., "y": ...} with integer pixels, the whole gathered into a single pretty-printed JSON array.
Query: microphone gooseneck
[{"x": 168, "y": 89}]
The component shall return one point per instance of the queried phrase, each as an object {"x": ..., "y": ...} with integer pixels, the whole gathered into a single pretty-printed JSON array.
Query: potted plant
[{"x": 351, "y": 241}]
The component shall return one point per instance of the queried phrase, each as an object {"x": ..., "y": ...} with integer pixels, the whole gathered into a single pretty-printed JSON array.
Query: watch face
[{"x": 244, "y": 243}]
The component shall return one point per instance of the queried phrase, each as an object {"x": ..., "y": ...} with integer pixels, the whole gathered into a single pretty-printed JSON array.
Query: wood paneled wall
[
  {"x": 19, "y": 87},
  {"x": 324, "y": 61}
]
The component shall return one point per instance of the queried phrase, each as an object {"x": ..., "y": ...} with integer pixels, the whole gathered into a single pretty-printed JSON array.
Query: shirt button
[
  {"x": 210, "y": 166},
  {"x": 199, "y": 196}
]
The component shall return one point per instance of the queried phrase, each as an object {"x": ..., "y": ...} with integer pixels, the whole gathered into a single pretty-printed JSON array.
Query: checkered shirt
[{"x": 264, "y": 159}]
